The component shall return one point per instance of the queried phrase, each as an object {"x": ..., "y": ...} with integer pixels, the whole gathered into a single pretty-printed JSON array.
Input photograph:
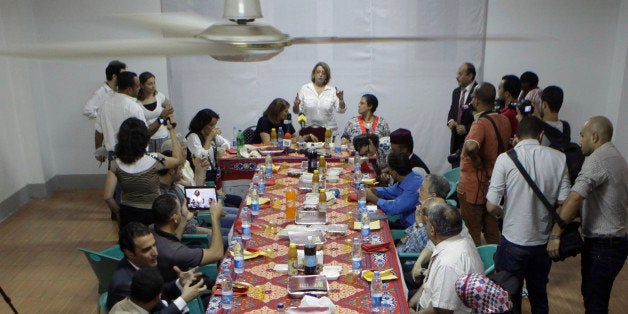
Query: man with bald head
[{"x": 600, "y": 197}]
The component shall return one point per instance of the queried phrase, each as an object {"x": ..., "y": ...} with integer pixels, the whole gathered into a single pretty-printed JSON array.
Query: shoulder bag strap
[
  {"x": 513, "y": 155},
  {"x": 500, "y": 144}
]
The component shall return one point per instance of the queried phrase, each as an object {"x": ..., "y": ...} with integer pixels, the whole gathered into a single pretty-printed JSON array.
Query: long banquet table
[{"x": 349, "y": 293}]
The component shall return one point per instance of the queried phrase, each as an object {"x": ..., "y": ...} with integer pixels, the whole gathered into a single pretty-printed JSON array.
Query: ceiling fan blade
[
  {"x": 123, "y": 48},
  {"x": 174, "y": 23},
  {"x": 340, "y": 40}
]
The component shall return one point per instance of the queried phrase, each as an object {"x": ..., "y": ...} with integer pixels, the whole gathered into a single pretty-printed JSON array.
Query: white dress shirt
[
  {"x": 114, "y": 110},
  {"x": 98, "y": 97},
  {"x": 319, "y": 109},
  {"x": 526, "y": 220},
  {"x": 196, "y": 148}
]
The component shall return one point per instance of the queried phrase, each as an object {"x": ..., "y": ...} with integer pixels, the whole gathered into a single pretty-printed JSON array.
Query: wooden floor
[{"x": 42, "y": 272}]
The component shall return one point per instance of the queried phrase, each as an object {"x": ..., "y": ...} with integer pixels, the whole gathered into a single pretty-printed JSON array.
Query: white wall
[
  {"x": 20, "y": 156},
  {"x": 584, "y": 52},
  {"x": 46, "y": 135}
]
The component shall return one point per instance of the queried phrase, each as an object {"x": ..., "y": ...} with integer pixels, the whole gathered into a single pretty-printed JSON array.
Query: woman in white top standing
[
  {"x": 318, "y": 101},
  {"x": 154, "y": 103}
]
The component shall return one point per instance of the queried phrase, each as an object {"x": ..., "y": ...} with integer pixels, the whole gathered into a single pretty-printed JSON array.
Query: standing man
[
  {"x": 522, "y": 249},
  {"x": 529, "y": 81},
  {"x": 119, "y": 107},
  {"x": 508, "y": 90},
  {"x": 487, "y": 138},
  {"x": 107, "y": 89},
  {"x": 460, "y": 116},
  {"x": 600, "y": 197}
]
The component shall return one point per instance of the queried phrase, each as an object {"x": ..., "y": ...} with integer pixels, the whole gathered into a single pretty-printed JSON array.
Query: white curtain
[{"x": 413, "y": 81}]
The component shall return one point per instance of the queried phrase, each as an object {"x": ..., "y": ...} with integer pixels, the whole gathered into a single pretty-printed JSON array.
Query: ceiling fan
[{"x": 193, "y": 34}]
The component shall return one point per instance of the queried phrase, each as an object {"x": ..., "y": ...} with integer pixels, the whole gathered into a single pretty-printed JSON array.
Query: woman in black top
[{"x": 275, "y": 116}]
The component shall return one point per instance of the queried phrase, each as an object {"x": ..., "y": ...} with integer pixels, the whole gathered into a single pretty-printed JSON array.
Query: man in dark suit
[
  {"x": 460, "y": 115},
  {"x": 140, "y": 251}
]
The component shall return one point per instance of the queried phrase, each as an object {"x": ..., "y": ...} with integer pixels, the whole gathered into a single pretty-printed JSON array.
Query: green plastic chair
[
  {"x": 196, "y": 306},
  {"x": 452, "y": 203},
  {"x": 103, "y": 267},
  {"x": 102, "y": 303},
  {"x": 403, "y": 256},
  {"x": 453, "y": 186},
  {"x": 453, "y": 175},
  {"x": 196, "y": 239},
  {"x": 486, "y": 254},
  {"x": 114, "y": 252}
]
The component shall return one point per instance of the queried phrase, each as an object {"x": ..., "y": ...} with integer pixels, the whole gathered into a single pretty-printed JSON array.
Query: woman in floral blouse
[{"x": 366, "y": 122}]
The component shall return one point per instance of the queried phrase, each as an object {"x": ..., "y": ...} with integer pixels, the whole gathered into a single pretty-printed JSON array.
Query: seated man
[
  {"x": 368, "y": 145},
  {"x": 453, "y": 257},
  {"x": 402, "y": 197},
  {"x": 168, "y": 223},
  {"x": 433, "y": 187},
  {"x": 146, "y": 288},
  {"x": 138, "y": 245},
  {"x": 401, "y": 140}
]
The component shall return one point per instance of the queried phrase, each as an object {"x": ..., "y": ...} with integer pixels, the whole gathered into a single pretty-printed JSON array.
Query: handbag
[
  {"x": 483, "y": 295},
  {"x": 570, "y": 240}
]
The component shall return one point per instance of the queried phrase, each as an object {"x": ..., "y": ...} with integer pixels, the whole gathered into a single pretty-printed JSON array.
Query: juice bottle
[
  {"x": 291, "y": 195},
  {"x": 293, "y": 262}
]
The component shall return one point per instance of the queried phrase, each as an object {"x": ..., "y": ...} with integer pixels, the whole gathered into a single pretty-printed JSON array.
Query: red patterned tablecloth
[{"x": 349, "y": 293}]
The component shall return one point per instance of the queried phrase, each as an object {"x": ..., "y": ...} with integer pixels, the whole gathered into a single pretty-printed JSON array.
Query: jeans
[
  {"x": 601, "y": 261},
  {"x": 530, "y": 263}
]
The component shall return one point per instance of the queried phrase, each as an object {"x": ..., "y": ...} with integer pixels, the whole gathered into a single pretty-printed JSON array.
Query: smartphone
[{"x": 200, "y": 197}]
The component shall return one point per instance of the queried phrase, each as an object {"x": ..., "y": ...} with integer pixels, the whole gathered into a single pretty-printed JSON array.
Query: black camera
[{"x": 525, "y": 108}]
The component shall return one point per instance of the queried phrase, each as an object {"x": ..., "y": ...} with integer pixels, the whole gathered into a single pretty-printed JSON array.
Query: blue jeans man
[
  {"x": 531, "y": 263},
  {"x": 602, "y": 259}
]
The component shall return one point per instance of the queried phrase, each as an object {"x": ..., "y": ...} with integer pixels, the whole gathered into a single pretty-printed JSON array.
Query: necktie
[{"x": 460, "y": 104}]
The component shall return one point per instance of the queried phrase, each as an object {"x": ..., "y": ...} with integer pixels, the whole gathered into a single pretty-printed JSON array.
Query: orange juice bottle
[{"x": 291, "y": 209}]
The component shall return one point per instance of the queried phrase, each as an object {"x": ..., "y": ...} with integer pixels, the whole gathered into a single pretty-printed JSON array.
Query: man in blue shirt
[{"x": 402, "y": 197}]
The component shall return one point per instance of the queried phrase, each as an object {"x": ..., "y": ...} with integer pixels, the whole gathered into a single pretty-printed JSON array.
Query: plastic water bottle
[
  {"x": 227, "y": 291},
  {"x": 238, "y": 257},
  {"x": 280, "y": 137},
  {"x": 234, "y": 143},
  {"x": 240, "y": 143},
  {"x": 261, "y": 185},
  {"x": 376, "y": 292},
  {"x": 357, "y": 178},
  {"x": 269, "y": 166},
  {"x": 337, "y": 144},
  {"x": 356, "y": 256},
  {"x": 357, "y": 165},
  {"x": 254, "y": 203},
  {"x": 361, "y": 198},
  {"x": 245, "y": 217},
  {"x": 365, "y": 230}
]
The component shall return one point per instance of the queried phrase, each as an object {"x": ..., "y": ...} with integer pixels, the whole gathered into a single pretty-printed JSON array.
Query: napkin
[
  {"x": 232, "y": 150},
  {"x": 262, "y": 200},
  {"x": 310, "y": 304},
  {"x": 374, "y": 248},
  {"x": 365, "y": 167},
  {"x": 270, "y": 182}
]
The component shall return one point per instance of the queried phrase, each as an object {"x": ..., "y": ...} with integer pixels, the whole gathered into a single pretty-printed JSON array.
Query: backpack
[{"x": 562, "y": 141}]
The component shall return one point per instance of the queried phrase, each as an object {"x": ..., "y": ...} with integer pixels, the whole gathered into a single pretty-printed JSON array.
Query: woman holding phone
[{"x": 136, "y": 172}]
